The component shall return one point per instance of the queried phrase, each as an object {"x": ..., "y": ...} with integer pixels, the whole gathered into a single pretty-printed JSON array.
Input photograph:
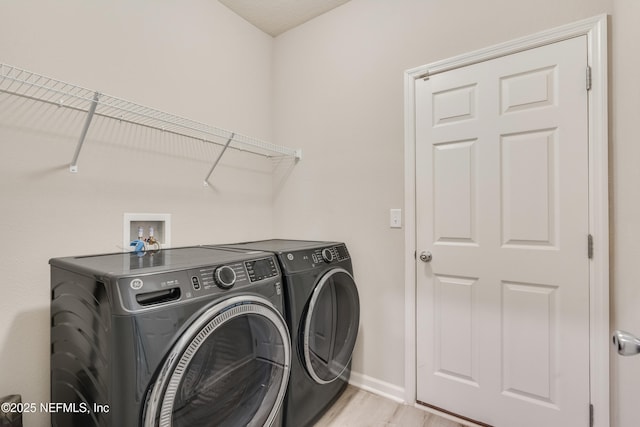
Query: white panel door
[{"x": 502, "y": 205}]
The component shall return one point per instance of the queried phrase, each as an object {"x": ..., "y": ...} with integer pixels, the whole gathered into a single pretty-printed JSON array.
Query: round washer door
[
  {"x": 331, "y": 326},
  {"x": 229, "y": 368}
]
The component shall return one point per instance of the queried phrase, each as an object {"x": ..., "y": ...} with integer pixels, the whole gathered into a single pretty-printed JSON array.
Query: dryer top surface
[{"x": 282, "y": 245}]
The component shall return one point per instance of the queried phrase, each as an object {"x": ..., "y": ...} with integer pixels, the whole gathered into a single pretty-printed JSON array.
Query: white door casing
[{"x": 481, "y": 219}]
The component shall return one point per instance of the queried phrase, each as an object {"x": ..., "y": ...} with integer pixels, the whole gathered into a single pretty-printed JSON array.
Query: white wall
[
  {"x": 335, "y": 89},
  {"x": 625, "y": 205},
  {"x": 339, "y": 94},
  {"x": 197, "y": 60}
]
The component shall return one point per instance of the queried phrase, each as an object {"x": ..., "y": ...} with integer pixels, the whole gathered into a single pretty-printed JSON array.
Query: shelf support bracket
[
  {"x": 206, "y": 180},
  {"x": 73, "y": 168}
]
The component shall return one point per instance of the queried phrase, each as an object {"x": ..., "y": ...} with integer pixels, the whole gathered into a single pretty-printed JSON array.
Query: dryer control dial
[
  {"x": 327, "y": 255},
  {"x": 225, "y": 277}
]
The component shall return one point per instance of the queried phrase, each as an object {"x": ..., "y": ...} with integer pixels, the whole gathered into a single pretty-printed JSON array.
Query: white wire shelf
[{"x": 27, "y": 84}]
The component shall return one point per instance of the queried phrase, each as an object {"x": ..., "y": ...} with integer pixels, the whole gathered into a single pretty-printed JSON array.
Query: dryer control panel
[{"x": 306, "y": 259}]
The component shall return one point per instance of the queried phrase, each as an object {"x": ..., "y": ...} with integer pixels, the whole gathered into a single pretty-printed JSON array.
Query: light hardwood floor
[{"x": 359, "y": 408}]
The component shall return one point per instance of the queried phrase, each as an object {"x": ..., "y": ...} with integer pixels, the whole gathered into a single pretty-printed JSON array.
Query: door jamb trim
[{"x": 595, "y": 29}]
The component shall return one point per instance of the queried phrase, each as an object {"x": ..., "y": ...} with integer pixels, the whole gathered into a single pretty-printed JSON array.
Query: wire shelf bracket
[
  {"x": 73, "y": 168},
  {"x": 206, "y": 180},
  {"x": 27, "y": 84}
]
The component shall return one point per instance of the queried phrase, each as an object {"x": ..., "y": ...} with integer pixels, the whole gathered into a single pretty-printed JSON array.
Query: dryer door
[
  {"x": 229, "y": 368},
  {"x": 331, "y": 326}
]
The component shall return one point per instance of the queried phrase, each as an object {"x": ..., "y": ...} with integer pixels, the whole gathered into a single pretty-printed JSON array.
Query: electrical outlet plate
[{"x": 161, "y": 224}]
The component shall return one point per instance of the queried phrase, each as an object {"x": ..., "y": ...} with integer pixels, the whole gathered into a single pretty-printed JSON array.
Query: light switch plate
[{"x": 395, "y": 218}]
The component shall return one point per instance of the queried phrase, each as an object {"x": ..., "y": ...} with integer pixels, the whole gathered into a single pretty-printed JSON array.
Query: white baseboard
[
  {"x": 396, "y": 393},
  {"x": 376, "y": 386}
]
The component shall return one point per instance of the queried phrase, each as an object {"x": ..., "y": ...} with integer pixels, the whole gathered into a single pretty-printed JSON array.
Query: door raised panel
[
  {"x": 454, "y": 105},
  {"x": 455, "y": 302},
  {"x": 532, "y": 89},
  {"x": 529, "y": 184},
  {"x": 529, "y": 334},
  {"x": 454, "y": 184}
]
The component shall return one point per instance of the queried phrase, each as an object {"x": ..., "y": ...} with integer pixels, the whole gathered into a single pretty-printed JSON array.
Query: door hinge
[
  {"x": 588, "y": 77},
  {"x": 590, "y": 415},
  {"x": 590, "y": 246}
]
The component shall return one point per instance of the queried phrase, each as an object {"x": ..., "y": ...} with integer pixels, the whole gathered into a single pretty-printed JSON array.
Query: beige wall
[
  {"x": 339, "y": 94},
  {"x": 624, "y": 173},
  {"x": 200, "y": 61},
  {"x": 333, "y": 86}
]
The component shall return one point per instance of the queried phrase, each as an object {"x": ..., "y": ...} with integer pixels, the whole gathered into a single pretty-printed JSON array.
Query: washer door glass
[
  {"x": 331, "y": 326},
  {"x": 230, "y": 368}
]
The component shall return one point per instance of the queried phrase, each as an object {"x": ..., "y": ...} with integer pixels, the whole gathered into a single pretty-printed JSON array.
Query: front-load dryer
[
  {"x": 323, "y": 314},
  {"x": 185, "y": 337}
]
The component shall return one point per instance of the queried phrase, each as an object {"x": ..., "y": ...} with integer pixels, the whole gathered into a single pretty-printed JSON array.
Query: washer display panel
[
  {"x": 230, "y": 368},
  {"x": 331, "y": 326}
]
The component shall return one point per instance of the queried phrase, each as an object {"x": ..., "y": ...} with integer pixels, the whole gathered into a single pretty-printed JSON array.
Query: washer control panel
[
  {"x": 225, "y": 277},
  {"x": 221, "y": 277},
  {"x": 150, "y": 290},
  {"x": 261, "y": 269}
]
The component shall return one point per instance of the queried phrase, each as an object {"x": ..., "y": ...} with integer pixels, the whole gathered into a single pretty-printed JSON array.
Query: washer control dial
[
  {"x": 225, "y": 277},
  {"x": 327, "y": 255}
]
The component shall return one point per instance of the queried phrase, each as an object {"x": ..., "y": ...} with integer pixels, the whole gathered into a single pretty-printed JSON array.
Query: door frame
[{"x": 595, "y": 29}]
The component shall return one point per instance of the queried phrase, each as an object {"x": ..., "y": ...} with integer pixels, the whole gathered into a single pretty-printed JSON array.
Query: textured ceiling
[{"x": 274, "y": 17}]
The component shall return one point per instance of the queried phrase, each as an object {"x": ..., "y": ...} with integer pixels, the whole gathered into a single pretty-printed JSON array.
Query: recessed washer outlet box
[{"x": 147, "y": 223}]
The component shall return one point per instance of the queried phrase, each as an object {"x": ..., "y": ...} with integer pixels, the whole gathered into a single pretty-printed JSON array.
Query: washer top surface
[
  {"x": 122, "y": 264},
  {"x": 281, "y": 245}
]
